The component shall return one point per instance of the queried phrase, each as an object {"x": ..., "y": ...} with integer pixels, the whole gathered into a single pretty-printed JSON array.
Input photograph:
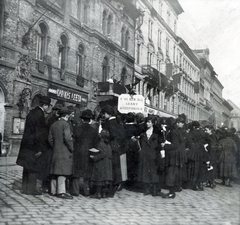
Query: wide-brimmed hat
[
  {"x": 87, "y": 114},
  {"x": 45, "y": 100}
]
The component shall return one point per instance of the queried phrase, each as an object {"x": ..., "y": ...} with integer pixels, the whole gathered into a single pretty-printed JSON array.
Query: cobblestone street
[{"x": 212, "y": 206}]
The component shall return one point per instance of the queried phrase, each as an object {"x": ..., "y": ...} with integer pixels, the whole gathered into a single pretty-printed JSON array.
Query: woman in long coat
[
  {"x": 197, "y": 157},
  {"x": 147, "y": 168},
  {"x": 175, "y": 155}
]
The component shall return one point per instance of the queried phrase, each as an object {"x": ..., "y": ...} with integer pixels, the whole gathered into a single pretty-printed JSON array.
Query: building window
[
  {"x": 127, "y": 40},
  {"x": 149, "y": 58},
  {"x": 104, "y": 22},
  {"x": 105, "y": 69},
  {"x": 174, "y": 53},
  {"x": 80, "y": 60},
  {"x": 62, "y": 54},
  {"x": 168, "y": 18},
  {"x": 167, "y": 47},
  {"x": 109, "y": 25},
  {"x": 123, "y": 39},
  {"x": 85, "y": 13},
  {"x": 175, "y": 26},
  {"x": 123, "y": 76},
  {"x": 159, "y": 38},
  {"x": 160, "y": 7},
  {"x": 159, "y": 65},
  {"x": 79, "y": 5},
  {"x": 150, "y": 27},
  {"x": 41, "y": 47},
  {"x": 138, "y": 52}
]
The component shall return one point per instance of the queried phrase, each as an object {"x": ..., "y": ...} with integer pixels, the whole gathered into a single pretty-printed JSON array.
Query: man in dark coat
[
  {"x": 85, "y": 137},
  {"x": 60, "y": 139},
  {"x": 33, "y": 147}
]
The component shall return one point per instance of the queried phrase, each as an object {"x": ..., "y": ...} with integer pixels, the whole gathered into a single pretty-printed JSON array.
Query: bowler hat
[
  {"x": 45, "y": 100},
  {"x": 87, "y": 114},
  {"x": 64, "y": 111}
]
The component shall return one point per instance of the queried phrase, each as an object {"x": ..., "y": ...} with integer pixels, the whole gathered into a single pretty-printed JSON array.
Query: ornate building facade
[{"x": 62, "y": 49}]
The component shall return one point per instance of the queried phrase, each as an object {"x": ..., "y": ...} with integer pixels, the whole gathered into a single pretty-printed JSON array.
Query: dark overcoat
[
  {"x": 85, "y": 137},
  {"x": 61, "y": 141},
  {"x": 102, "y": 167},
  {"x": 34, "y": 140},
  {"x": 175, "y": 152},
  {"x": 228, "y": 158},
  {"x": 116, "y": 140},
  {"x": 147, "y": 168}
]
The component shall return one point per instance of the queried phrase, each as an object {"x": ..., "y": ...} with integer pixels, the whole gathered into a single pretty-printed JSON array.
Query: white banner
[{"x": 130, "y": 103}]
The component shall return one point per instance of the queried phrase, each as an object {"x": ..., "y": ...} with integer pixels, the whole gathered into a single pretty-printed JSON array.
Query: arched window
[
  {"x": 104, "y": 22},
  {"x": 41, "y": 48},
  {"x": 123, "y": 76},
  {"x": 62, "y": 55},
  {"x": 127, "y": 40},
  {"x": 109, "y": 24},
  {"x": 80, "y": 60},
  {"x": 105, "y": 69},
  {"x": 123, "y": 37}
]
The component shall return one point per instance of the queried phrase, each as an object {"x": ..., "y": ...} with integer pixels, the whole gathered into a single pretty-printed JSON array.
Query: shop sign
[
  {"x": 67, "y": 95},
  {"x": 130, "y": 103}
]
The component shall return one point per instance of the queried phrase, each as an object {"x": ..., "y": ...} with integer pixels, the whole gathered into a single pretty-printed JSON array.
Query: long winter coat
[
  {"x": 85, "y": 137},
  {"x": 116, "y": 141},
  {"x": 34, "y": 140},
  {"x": 60, "y": 139},
  {"x": 228, "y": 158},
  {"x": 175, "y": 152},
  {"x": 102, "y": 167},
  {"x": 147, "y": 168}
]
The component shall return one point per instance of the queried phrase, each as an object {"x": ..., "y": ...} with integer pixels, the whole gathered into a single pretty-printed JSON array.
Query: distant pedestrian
[
  {"x": 33, "y": 147},
  {"x": 60, "y": 139},
  {"x": 228, "y": 168}
]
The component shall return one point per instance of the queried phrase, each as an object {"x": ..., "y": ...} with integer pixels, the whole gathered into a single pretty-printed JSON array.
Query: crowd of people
[{"x": 111, "y": 151}]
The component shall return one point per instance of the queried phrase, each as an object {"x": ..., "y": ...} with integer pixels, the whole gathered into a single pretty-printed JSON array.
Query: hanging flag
[
  {"x": 196, "y": 87},
  {"x": 212, "y": 120},
  {"x": 177, "y": 78},
  {"x": 169, "y": 69}
]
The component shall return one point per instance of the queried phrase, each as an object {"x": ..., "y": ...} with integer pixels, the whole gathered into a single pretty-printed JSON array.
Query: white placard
[{"x": 130, "y": 103}]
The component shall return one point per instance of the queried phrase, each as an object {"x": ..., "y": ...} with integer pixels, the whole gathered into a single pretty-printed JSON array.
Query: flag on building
[
  {"x": 196, "y": 87},
  {"x": 212, "y": 120},
  {"x": 177, "y": 78},
  {"x": 169, "y": 69}
]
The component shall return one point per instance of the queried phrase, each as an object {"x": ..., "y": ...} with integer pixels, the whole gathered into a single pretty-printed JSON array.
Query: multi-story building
[
  {"x": 156, "y": 54},
  {"x": 62, "y": 49},
  {"x": 235, "y": 116}
]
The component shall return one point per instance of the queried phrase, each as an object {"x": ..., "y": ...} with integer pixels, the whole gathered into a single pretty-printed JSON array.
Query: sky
[{"x": 215, "y": 24}]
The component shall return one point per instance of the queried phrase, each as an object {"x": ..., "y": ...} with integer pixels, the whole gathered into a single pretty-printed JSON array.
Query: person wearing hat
[
  {"x": 33, "y": 146},
  {"x": 85, "y": 137},
  {"x": 60, "y": 139}
]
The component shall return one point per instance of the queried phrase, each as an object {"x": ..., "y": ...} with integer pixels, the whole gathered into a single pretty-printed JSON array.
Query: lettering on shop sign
[
  {"x": 67, "y": 95},
  {"x": 130, "y": 103}
]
